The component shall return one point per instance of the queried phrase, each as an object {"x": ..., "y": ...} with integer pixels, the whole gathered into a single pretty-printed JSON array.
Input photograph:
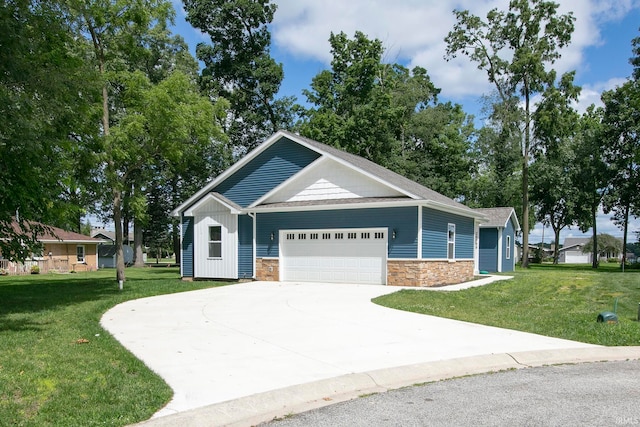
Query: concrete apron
[{"x": 225, "y": 343}]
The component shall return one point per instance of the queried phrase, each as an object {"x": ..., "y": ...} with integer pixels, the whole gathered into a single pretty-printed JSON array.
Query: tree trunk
[
  {"x": 138, "y": 256},
  {"x": 175, "y": 236},
  {"x": 624, "y": 236},
  {"x": 556, "y": 246},
  {"x": 594, "y": 212},
  {"x": 117, "y": 219},
  {"x": 525, "y": 182}
]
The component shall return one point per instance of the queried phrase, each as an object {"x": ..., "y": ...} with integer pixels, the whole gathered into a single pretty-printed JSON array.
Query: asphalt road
[{"x": 591, "y": 394}]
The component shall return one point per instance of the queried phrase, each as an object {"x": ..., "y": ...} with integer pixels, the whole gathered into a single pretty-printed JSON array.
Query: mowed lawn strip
[
  {"x": 557, "y": 301},
  {"x": 58, "y": 367}
]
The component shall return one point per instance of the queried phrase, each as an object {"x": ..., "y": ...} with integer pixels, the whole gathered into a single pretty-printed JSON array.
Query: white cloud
[
  {"x": 413, "y": 32},
  {"x": 590, "y": 93}
]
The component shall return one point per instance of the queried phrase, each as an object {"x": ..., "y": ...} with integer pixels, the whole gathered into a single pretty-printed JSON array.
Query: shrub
[{"x": 35, "y": 269}]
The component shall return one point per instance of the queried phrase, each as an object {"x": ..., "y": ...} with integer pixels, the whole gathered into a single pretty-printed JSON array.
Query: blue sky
[{"x": 413, "y": 33}]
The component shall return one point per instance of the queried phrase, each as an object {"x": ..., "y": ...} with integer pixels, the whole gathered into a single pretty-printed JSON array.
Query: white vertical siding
[
  {"x": 330, "y": 180},
  {"x": 225, "y": 267}
]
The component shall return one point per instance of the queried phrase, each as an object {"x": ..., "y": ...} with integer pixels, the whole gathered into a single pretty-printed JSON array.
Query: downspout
[
  {"x": 252, "y": 215},
  {"x": 476, "y": 247},
  {"x": 420, "y": 232},
  {"x": 181, "y": 247},
  {"x": 500, "y": 250}
]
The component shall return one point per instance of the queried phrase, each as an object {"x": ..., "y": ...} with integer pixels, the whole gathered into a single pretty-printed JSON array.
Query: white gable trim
[
  {"x": 315, "y": 164},
  {"x": 195, "y": 207},
  {"x": 224, "y": 175},
  {"x": 349, "y": 184},
  {"x": 351, "y": 166}
]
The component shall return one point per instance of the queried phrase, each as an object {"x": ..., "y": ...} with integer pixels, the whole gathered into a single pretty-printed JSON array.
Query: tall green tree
[
  {"x": 497, "y": 178},
  {"x": 118, "y": 31},
  {"x": 437, "y": 150},
  {"x": 590, "y": 171},
  {"x": 351, "y": 107},
  {"x": 621, "y": 124},
  {"x": 515, "y": 48},
  {"x": 553, "y": 191},
  {"x": 45, "y": 121},
  {"x": 238, "y": 66}
]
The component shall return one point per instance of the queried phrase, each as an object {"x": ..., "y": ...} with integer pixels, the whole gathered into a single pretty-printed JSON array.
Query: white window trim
[
  {"x": 209, "y": 241},
  {"x": 508, "y": 248},
  {"x": 84, "y": 254},
  {"x": 450, "y": 226}
]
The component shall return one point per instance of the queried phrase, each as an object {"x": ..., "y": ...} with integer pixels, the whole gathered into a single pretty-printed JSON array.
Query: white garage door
[
  {"x": 577, "y": 259},
  {"x": 334, "y": 255}
]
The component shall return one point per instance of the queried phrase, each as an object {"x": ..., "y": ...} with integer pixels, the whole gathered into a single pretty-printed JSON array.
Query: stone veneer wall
[
  {"x": 428, "y": 273},
  {"x": 399, "y": 272},
  {"x": 267, "y": 269}
]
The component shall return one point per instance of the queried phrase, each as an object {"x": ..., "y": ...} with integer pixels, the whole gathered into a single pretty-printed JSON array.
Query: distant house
[
  {"x": 107, "y": 255},
  {"x": 107, "y": 250},
  {"x": 61, "y": 251},
  {"x": 110, "y": 236},
  {"x": 497, "y": 240},
  {"x": 571, "y": 251}
]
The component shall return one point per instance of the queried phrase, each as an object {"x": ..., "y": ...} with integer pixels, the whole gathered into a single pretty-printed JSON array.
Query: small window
[
  {"x": 379, "y": 235},
  {"x": 451, "y": 241},
  {"x": 326, "y": 236},
  {"x": 291, "y": 236},
  {"x": 302, "y": 236},
  {"x": 508, "y": 248},
  {"x": 80, "y": 253},
  {"x": 339, "y": 236},
  {"x": 365, "y": 235},
  {"x": 314, "y": 236},
  {"x": 352, "y": 235},
  {"x": 215, "y": 241}
]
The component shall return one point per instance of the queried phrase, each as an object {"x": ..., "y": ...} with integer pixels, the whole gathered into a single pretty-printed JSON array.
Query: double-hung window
[
  {"x": 451, "y": 241},
  {"x": 215, "y": 241},
  {"x": 80, "y": 254}
]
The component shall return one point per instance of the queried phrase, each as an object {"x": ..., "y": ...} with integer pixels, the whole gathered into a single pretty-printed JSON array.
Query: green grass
[
  {"x": 557, "y": 301},
  {"x": 47, "y": 378}
]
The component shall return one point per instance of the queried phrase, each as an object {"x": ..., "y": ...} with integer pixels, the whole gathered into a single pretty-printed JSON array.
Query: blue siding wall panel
[
  {"x": 507, "y": 264},
  {"x": 266, "y": 171},
  {"x": 488, "y": 255},
  {"x": 404, "y": 220},
  {"x": 245, "y": 246},
  {"x": 434, "y": 234},
  {"x": 187, "y": 246}
]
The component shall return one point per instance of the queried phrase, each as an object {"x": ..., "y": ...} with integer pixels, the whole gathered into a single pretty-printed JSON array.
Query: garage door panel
[{"x": 337, "y": 255}]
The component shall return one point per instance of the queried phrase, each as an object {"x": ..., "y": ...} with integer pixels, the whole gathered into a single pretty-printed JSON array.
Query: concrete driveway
[{"x": 224, "y": 343}]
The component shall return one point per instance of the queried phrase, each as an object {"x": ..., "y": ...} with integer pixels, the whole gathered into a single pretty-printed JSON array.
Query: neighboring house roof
[
  {"x": 499, "y": 217},
  {"x": 571, "y": 243},
  {"x": 55, "y": 234},
  {"x": 101, "y": 233},
  {"x": 412, "y": 191}
]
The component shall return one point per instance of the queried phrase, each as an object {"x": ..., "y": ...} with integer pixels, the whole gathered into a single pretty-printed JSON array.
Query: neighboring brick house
[
  {"x": 294, "y": 209},
  {"x": 61, "y": 251}
]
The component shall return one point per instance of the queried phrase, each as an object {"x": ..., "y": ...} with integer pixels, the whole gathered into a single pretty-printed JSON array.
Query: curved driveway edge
[
  {"x": 220, "y": 344},
  {"x": 262, "y": 407}
]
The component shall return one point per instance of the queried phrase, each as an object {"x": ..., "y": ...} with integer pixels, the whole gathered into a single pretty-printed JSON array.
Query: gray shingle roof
[
  {"x": 497, "y": 217},
  {"x": 397, "y": 180}
]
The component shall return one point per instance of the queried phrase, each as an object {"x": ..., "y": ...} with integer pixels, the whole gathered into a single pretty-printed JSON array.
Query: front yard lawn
[
  {"x": 558, "y": 301},
  {"x": 58, "y": 367}
]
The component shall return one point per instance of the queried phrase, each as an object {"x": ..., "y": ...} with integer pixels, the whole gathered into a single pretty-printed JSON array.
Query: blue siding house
[
  {"x": 294, "y": 209},
  {"x": 497, "y": 240}
]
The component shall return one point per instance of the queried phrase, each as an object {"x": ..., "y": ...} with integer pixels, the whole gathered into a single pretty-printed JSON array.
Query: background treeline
[{"x": 104, "y": 111}]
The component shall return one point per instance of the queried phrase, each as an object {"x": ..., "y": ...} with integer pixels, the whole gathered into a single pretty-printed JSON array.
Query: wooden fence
[{"x": 43, "y": 266}]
